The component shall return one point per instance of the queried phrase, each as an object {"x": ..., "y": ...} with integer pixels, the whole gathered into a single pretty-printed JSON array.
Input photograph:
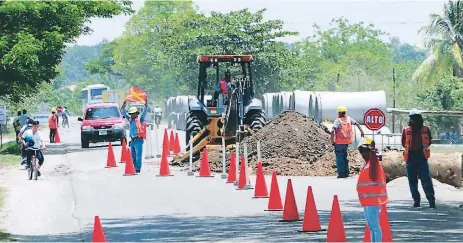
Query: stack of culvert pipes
[{"x": 357, "y": 103}]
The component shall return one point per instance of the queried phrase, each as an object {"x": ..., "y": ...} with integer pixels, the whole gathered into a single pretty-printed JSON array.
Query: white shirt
[
  {"x": 24, "y": 128},
  {"x": 37, "y": 137},
  {"x": 157, "y": 110}
]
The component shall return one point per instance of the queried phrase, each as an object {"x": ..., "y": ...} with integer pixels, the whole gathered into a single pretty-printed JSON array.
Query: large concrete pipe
[
  {"x": 268, "y": 104},
  {"x": 302, "y": 101},
  {"x": 286, "y": 100},
  {"x": 276, "y": 105},
  {"x": 316, "y": 108},
  {"x": 356, "y": 102},
  {"x": 311, "y": 105}
]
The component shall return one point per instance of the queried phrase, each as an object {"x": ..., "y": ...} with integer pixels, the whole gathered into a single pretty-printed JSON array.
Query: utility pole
[{"x": 393, "y": 98}]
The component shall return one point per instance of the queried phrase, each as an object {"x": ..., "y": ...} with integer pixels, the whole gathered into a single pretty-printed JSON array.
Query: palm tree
[{"x": 444, "y": 40}]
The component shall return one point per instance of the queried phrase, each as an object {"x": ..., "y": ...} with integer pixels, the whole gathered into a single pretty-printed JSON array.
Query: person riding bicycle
[
  {"x": 65, "y": 114},
  {"x": 34, "y": 144},
  {"x": 157, "y": 114},
  {"x": 25, "y": 128}
]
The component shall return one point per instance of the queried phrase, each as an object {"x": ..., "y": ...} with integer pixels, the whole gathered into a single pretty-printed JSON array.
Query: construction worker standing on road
[
  {"x": 137, "y": 131},
  {"x": 53, "y": 124},
  {"x": 416, "y": 139},
  {"x": 371, "y": 188},
  {"x": 341, "y": 136}
]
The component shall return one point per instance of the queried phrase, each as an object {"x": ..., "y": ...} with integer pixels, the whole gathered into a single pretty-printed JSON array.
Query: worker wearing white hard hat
[
  {"x": 416, "y": 139},
  {"x": 137, "y": 132},
  {"x": 371, "y": 188},
  {"x": 341, "y": 136}
]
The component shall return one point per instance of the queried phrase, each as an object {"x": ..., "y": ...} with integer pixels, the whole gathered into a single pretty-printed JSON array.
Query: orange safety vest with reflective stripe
[
  {"x": 223, "y": 86},
  {"x": 141, "y": 128},
  {"x": 372, "y": 193},
  {"x": 344, "y": 134},
  {"x": 425, "y": 140}
]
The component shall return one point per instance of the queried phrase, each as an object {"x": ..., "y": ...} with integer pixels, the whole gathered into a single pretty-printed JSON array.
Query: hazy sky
[{"x": 399, "y": 18}]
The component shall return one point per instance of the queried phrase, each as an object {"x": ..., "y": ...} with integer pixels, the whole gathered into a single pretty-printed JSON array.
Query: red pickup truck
[{"x": 101, "y": 122}]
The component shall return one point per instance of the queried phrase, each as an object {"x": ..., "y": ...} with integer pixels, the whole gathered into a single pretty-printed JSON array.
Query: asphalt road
[{"x": 76, "y": 186}]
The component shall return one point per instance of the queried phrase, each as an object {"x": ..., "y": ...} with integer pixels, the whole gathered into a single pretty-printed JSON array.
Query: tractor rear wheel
[
  {"x": 195, "y": 122},
  {"x": 256, "y": 119}
]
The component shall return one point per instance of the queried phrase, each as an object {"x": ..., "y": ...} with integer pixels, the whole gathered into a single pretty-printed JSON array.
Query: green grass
[
  {"x": 8, "y": 160},
  {"x": 11, "y": 148}
]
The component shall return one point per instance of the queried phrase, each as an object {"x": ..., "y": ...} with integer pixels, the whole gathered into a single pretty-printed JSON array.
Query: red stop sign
[{"x": 374, "y": 119}]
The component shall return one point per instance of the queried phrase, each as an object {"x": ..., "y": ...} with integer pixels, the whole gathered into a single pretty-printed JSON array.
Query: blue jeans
[
  {"x": 372, "y": 216},
  {"x": 418, "y": 167},
  {"x": 342, "y": 163},
  {"x": 136, "y": 148}
]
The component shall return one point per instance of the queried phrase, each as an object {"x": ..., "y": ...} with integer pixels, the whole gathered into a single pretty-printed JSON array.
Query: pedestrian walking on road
[
  {"x": 341, "y": 136},
  {"x": 416, "y": 139},
  {"x": 17, "y": 126},
  {"x": 53, "y": 125},
  {"x": 371, "y": 188},
  {"x": 137, "y": 131},
  {"x": 23, "y": 118}
]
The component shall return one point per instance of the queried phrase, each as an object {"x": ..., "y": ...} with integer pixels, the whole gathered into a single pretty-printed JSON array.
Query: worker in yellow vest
[
  {"x": 416, "y": 139},
  {"x": 341, "y": 136}
]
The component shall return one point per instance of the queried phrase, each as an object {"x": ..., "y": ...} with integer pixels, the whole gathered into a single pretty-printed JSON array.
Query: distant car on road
[{"x": 101, "y": 122}]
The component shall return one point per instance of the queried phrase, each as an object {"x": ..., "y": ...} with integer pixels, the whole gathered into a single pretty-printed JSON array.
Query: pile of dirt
[{"x": 292, "y": 144}]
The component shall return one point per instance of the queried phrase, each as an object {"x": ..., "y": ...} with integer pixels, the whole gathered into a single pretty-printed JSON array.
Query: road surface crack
[{"x": 74, "y": 199}]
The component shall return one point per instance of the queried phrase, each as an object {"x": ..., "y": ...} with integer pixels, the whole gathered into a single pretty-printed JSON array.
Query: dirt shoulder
[{"x": 7, "y": 161}]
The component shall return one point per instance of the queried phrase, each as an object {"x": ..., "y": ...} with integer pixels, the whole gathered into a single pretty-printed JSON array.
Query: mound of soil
[{"x": 292, "y": 144}]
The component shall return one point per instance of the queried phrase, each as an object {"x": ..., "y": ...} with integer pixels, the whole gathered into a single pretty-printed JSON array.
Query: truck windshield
[{"x": 102, "y": 113}]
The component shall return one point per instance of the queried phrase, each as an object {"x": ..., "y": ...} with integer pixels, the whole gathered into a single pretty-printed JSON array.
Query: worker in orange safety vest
[
  {"x": 416, "y": 139},
  {"x": 341, "y": 136},
  {"x": 137, "y": 130},
  {"x": 371, "y": 188}
]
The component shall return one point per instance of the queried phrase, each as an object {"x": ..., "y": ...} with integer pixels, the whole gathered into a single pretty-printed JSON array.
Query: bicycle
[
  {"x": 65, "y": 121},
  {"x": 32, "y": 170}
]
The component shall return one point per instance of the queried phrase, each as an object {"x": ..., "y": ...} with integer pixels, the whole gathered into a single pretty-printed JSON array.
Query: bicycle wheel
[{"x": 30, "y": 171}]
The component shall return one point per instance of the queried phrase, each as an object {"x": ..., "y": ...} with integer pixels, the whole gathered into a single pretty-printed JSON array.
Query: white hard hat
[
  {"x": 133, "y": 109},
  {"x": 414, "y": 112}
]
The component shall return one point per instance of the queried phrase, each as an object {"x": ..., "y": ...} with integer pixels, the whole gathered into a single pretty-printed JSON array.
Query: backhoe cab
[{"x": 231, "y": 113}]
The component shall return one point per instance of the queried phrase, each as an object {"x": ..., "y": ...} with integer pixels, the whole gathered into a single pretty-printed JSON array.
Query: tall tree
[
  {"x": 34, "y": 34},
  {"x": 444, "y": 40}
]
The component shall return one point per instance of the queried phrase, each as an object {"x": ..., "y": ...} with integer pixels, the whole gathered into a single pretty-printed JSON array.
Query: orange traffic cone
[
  {"x": 274, "y": 202},
  {"x": 243, "y": 180},
  {"x": 178, "y": 149},
  {"x": 232, "y": 169},
  {"x": 384, "y": 224},
  {"x": 164, "y": 168},
  {"x": 165, "y": 142},
  {"x": 129, "y": 166},
  {"x": 290, "y": 212},
  {"x": 261, "y": 184},
  {"x": 111, "y": 161},
  {"x": 172, "y": 141},
  {"x": 123, "y": 152},
  {"x": 336, "y": 232},
  {"x": 98, "y": 232},
  {"x": 57, "y": 137},
  {"x": 311, "y": 221},
  {"x": 204, "y": 169}
]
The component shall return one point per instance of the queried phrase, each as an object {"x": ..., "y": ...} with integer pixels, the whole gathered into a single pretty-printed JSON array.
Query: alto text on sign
[{"x": 374, "y": 119}]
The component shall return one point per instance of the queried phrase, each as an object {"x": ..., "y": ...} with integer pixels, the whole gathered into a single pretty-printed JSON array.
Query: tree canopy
[{"x": 34, "y": 34}]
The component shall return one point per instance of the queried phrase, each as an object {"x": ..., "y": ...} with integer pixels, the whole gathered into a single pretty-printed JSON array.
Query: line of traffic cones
[{"x": 164, "y": 169}]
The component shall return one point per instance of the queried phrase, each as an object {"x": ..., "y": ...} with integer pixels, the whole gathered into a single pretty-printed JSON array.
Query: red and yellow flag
[{"x": 136, "y": 95}]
